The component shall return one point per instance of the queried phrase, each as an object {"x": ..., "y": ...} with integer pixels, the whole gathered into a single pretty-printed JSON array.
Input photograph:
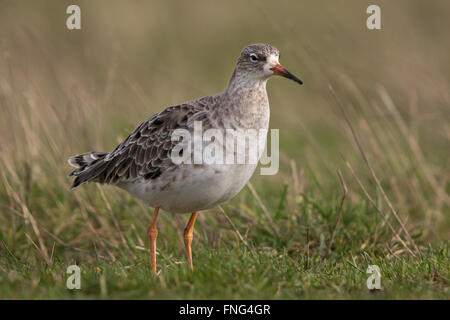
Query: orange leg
[
  {"x": 188, "y": 236},
  {"x": 152, "y": 233}
]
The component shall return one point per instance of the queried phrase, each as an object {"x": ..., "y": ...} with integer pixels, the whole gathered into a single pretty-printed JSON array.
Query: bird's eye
[{"x": 253, "y": 57}]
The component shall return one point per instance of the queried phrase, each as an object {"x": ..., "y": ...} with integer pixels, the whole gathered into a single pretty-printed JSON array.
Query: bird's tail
[{"x": 82, "y": 164}]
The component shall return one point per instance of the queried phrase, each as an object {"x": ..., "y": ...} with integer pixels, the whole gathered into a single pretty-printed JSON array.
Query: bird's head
[{"x": 260, "y": 61}]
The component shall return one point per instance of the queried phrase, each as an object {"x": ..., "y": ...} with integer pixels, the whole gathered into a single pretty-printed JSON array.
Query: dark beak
[{"x": 280, "y": 71}]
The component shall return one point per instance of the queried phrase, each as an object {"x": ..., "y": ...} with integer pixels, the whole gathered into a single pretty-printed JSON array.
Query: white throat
[{"x": 271, "y": 62}]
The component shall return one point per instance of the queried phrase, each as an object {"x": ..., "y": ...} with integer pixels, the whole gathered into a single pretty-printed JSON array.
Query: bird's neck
[
  {"x": 247, "y": 101},
  {"x": 245, "y": 89}
]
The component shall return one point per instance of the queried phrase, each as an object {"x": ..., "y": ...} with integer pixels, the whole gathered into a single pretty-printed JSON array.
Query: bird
[{"x": 143, "y": 164}]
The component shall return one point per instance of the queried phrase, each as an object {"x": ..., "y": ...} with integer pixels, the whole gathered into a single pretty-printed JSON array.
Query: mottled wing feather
[{"x": 145, "y": 153}]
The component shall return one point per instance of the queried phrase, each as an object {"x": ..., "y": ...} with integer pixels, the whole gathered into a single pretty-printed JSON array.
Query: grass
[
  {"x": 236, "y": 274},
  {"x": 371, "y": 119},
  {"x": 290, "y": 266},
  {"x": 276, "y": 267}
]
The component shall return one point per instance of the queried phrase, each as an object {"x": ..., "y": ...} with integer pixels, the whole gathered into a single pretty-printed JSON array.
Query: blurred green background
[{"x": 63, "y": 92}]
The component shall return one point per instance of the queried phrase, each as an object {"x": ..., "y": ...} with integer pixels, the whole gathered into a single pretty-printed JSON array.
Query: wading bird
[{"x": 142, "y": 163}]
